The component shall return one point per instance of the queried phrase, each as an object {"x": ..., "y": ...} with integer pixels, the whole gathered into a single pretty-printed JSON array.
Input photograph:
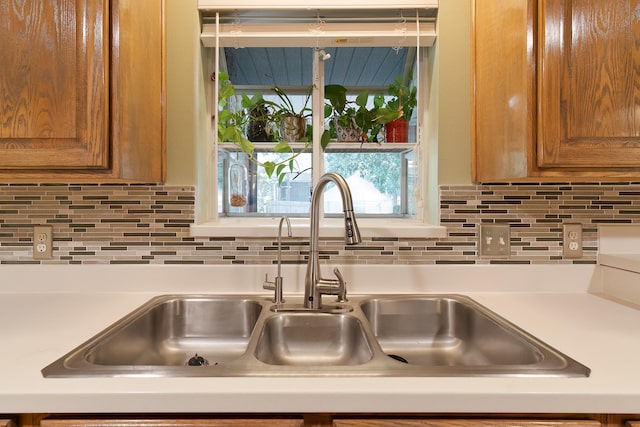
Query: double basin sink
[{"x": 385, "y": 335}]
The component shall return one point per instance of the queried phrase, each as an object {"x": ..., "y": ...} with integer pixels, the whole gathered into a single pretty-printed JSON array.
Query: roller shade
[{"x": 295, "y": 27}]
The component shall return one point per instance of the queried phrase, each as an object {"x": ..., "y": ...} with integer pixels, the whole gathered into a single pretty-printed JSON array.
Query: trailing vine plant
[{"x": 234, "y": 115}]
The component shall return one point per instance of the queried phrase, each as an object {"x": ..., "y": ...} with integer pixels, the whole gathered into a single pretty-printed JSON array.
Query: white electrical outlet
[
  {"x": 42, "y": 242},
  {"x": 572, "y": 240},
  {"x": 495, "y": 241}
]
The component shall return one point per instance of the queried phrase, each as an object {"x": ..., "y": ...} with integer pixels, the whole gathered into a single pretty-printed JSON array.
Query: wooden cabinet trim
[{"x": 326, "y": 420}]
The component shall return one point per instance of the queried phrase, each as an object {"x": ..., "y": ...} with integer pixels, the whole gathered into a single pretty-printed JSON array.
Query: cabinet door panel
[
  {"x": 588, "y": 84},
  {"x": 54, "y": 84}
]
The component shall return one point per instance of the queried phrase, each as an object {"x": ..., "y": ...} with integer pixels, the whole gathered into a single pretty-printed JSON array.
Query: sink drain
[
  {"x": 197, "y": 361},
  {"x": 398, "y": 358}
]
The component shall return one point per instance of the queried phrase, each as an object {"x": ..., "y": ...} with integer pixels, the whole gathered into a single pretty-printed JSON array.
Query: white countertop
[
  {"x": 46, "y": 311},
  {"x": 629, "y": 262}
]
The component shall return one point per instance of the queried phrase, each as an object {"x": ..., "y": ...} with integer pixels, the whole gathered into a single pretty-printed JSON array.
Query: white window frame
[{"x": 209, "y": 223}]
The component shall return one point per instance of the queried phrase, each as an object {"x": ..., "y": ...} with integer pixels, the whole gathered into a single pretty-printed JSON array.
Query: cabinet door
[
  {"x": 213, "y": 422},
  {"x": 138, "y": 93},
  {"x": 54, "y": 84},
  {"x": 463, "y": 423},
  {"x": 504, "y": 95},
  {"x": 589, "y": 83}
]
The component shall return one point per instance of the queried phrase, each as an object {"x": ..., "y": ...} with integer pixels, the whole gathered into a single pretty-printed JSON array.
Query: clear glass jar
[{"x": 238, "y": 185}]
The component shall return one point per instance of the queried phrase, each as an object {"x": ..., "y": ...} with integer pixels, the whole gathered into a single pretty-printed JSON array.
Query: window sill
[{"x": 268, "y": 227}]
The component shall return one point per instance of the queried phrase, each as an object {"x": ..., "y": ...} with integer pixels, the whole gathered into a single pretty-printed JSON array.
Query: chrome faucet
[
  {"x": 315, "y": 284},
  {"x": 276, "y": 285}
]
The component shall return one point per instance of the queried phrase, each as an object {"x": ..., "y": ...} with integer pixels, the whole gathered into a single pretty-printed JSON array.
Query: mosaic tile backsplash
[{"x": 149, "y": 224}]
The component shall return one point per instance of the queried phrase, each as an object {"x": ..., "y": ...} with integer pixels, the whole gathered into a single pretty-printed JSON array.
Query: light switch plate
[{"x": 495, "y": 241}]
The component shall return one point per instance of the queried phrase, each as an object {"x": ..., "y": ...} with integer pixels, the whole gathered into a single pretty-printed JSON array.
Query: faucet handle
[
  {"x": 268, "y": 284},
  {"x": 342, "y": 286},
  {"x": 276, "y": 286}
]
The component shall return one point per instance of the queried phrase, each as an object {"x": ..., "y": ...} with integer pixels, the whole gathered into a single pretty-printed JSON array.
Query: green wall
[
  {"x": 454, "y": 92},
  {"x": 451, "y": 93},
  {"x": 183, "y": 81}
]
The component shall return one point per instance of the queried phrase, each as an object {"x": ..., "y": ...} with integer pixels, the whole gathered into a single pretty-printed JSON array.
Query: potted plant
[
  {"x": 351, "y": 121},
  {"x": 398, "y": 110},
  {"x": 259, "y": 125},
  {"x": 234, "y": 117},
  {"x": 292, "y": 123},
  {"x": 341, "y": 115}
]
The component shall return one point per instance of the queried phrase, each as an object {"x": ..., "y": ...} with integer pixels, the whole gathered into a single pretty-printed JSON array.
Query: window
[
  {"x": 298, "y": 58},
  {"x": 378, "y": 173}
]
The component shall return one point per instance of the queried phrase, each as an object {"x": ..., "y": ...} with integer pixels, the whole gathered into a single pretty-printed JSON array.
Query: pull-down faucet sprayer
[{"x": 315, "y": 284}]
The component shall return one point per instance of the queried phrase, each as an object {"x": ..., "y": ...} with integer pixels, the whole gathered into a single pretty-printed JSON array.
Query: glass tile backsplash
[{"x": 149, "y": 224}]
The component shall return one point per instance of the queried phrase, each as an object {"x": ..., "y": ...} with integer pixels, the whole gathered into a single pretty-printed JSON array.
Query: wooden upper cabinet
[
  {"x": 557, "y": 94},
  {"x": 82, "y": 90}
]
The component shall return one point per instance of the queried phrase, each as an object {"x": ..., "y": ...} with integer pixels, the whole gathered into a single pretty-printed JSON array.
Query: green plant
[
  {"x": 366, "y": 117},
  {"x": 351, "y": 115},
  {"x": 259, "y": 127},
  {"x": 401, "y": 105},
  {"x": 291, "y": 122},
  {"x": 337, "y": 97},
  {"x": 234, "y": 116},
  {"x": 341, "y": 113},
  {"x": 286, "y": 108}
]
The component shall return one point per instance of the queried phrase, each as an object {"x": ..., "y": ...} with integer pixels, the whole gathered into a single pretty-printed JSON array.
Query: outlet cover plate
[
  {"x": 572, "y": 240},
  {"x": 42, "y": 242}
]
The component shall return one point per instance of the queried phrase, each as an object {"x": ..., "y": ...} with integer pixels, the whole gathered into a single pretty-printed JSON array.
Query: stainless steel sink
[
  {"x": 244, "y": 335},
  {"x": 313, "y": 339},
  {"x": 173, "y": 330},
  {"x": 165, "y": 335},
  {"x": 451, "y": 332}
]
